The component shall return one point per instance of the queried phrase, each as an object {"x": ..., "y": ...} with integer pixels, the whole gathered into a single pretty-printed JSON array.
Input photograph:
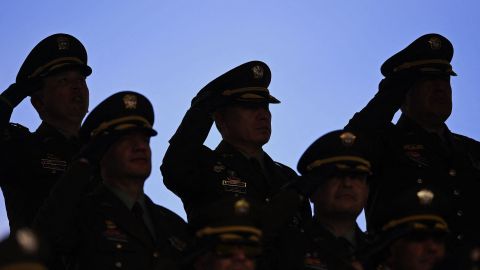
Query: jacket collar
[
  {"x": 408, "y": 124},
  {"x": 114, "y": 209},
  {"x": 47, "y": 131}
]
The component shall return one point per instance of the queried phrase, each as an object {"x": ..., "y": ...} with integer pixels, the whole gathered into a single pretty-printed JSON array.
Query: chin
[
  {"x": 348, "y": 210},
  {"x": 261, "y": 140},
  {"x": 139, "y": 172}
]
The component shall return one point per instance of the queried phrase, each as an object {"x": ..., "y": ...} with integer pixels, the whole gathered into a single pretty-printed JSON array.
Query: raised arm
[
  {"x": 379, "y": 112},
  {"x": 186, "y": 154},
  {"x": 12, "y": 96}
]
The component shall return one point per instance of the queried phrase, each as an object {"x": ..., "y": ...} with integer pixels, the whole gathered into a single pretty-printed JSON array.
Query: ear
[
  {"x": 220, "y": 122},
  {"x": 38, "y": 102},
  {"x": 407, "y": 101}
]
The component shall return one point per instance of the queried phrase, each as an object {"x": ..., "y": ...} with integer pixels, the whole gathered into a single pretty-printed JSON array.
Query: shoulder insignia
[{"x": 113, "y": 233}]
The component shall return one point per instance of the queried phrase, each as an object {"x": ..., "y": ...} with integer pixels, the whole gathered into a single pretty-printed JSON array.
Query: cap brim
[
  {"x": 149, "y": 131},
  {"x": 342, "y": 162},
  {"x": 273, "y": 100},
  {"x": 436, "y": 72},
  {"x": 252, "y": 99},
  {"x": 85, "y": 69}
]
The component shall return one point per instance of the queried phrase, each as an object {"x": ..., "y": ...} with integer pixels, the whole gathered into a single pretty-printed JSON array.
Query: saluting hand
[{"x": 18, "y": 91}]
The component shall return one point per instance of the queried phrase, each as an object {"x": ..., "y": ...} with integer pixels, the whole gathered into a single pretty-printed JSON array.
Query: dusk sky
[{"x": 325, "y": 58}]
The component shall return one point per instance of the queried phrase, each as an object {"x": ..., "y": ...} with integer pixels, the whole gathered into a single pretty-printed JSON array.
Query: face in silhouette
[
  {"x": 417, "y": 252},
  {"x": 246, "y": 124},
  {"x": 235, "y": 258},
  {"x": 430, "y": 100},
  {"x": 128, "y": 157},
  {"x": 342, "y": 194},
  {"x": 63, "y": 97}
]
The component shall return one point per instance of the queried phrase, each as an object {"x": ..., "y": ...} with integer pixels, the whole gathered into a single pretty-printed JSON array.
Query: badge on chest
[
  {"x": 234, "y": 184},
  {"x": 53, "y": 163},
  {"x": 312, "y": 261},
  {"x": 229, "y": 179},
  {"x": 113, "y": 233},
  {"x": 415, "y": 152}
]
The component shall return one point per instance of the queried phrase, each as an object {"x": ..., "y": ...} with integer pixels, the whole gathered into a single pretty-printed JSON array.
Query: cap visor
[{"x": 85, "y": 69}]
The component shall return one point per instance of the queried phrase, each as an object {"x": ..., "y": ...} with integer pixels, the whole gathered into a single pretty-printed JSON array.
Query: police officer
[
  {"x": 53, "y": 74},
  {"x": 419, "y": 149},
  {"x": 117, "y": 225},
  {"x": 414, "y": 232},
  {"x": 334, "y": 173},
  {"x": 228, "y": 235},
  {"x": 238, "y": 102}
]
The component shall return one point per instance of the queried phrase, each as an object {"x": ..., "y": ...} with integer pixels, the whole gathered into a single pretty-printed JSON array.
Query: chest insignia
[
  {"x": 313, "y": 262},
  {"x": 53, "y": 163},
  {"x": 113, "y": 233},
  {"x": 415, "y": 152},
  {"x": 234, "y": 184}
]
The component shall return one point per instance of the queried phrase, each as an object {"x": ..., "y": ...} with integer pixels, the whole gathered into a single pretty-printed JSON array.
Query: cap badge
[
  {"x": 475, "y": 254},
  {"x": 63, "y": 43},
  {"x": 27, "y": 240},
  {"x": 435, "y": 43},
  {"x": 242, "y": 207},
  {"x": 257, "y": 72},
  {"x": 425, "y": 196},
  {"x": 348, "y": 138},
  {"x": 110, "y": 224},
  {"x": 130, "y": 101}
]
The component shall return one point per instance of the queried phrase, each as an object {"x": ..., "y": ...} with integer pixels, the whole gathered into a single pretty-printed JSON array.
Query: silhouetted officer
[
  {"x": 334, "y": 173},
  {"x": 238, "y": 101},
  {"x": 419, "y": 149},
  {"x": 117, "y": 225},
  {"x": 228, "y": 235},
  {"x": 413, "y": 234},
  {"x": 53, "y": 74}
]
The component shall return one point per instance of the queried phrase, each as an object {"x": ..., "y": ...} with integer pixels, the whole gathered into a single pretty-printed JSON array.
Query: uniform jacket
[
  {"x": 407, "y": 156},
  {"x": 97, "y": 231},
  {"x": 30, "y": 164}
]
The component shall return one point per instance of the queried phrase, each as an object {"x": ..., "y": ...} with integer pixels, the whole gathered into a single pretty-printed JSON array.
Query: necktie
[{"x": 137, "y": 211}]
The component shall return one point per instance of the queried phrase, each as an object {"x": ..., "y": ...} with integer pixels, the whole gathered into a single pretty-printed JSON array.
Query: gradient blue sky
[{"x": 324, "y": 56}]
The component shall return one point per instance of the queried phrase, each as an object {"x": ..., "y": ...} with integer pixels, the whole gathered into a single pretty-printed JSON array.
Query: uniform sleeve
[
  {"x": 379, "y": 112},
  {"x": 5, "y": 113},
  {"x": 186, "y": 153},
  {"x": 9, "y": 99},
  {"x": 15, "y": 140},
  {"x": 11, "y": 135},
  {"x": 57, "y": 218}
]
